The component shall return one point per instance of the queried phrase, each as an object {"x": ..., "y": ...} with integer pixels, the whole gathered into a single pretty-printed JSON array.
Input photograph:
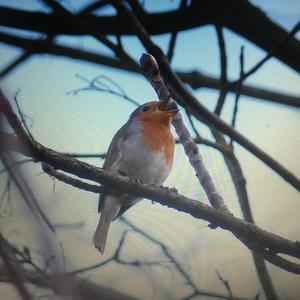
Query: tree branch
[
  {"x": 184, "y": 97},
  {"x": 270, "y": 243},
  {"x": 240, "y": 16},
  {"x": 239, "y": 182},
  {"x": 194, "y": 78},
  {"x": 17, "y": 62},
  {"x": 13, "y": 272},
  {"x": 70, "y": 180},
  {"x": 65, "y": 284},
  {"x": 238, "y": 90},
  {"x": 151, "y": 70},
  {"x": 223, "y": 64}
]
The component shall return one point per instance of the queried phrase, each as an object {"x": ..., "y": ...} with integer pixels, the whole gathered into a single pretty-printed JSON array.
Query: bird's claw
[
  {"x": 173, "y": 190},
  {"x": 137, "y": 180}
]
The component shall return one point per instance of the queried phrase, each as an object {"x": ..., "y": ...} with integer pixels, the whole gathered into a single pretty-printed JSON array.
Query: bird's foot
[{"x": 133, "y": 179}]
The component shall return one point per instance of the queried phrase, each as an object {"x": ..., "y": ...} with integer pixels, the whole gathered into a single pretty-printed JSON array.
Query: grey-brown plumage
[{"x": 142, "y": 149}]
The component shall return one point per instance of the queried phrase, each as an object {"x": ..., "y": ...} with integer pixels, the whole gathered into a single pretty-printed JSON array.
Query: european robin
[{"x": 142, "y": 149}]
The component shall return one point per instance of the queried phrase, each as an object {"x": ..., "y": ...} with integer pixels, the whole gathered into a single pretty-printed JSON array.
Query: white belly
[{"x": 140, "y": 162}]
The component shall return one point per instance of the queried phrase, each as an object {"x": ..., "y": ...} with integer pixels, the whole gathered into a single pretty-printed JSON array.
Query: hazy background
[{"x": 86, "y": 123}]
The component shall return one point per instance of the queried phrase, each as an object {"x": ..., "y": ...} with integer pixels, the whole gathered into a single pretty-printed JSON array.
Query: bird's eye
[{"x": 145, "y": 108}]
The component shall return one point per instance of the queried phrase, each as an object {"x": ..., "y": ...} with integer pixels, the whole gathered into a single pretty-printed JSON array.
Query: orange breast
[{"x": 158, "y": 137}]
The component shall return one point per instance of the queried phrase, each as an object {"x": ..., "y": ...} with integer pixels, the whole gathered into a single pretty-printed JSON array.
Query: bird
[{"x": 143, "y": 150}]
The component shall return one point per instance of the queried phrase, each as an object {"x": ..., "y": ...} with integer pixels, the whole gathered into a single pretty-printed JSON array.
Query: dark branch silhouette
[
  {"x": 185, "y": 98},
  {"x": 265, "y": 243},
  {"x": 239, "y": 16},
  {"x": 131, "y": 19},
  {"x": 194, "y": 78}
]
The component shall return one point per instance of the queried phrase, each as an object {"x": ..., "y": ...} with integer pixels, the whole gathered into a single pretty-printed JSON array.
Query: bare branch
[
  {"x": 194, "y": 78},
  {"x": 15, "y": 63},
  {"x": 245, "y": 231},
  {"x": 98, "y": 84},
  {"x": 223, "y": 64},
  {"x": 25, "y": 190},
  {"x": 182, "y": 6},
  {"x": 86, "y": 155},
  {"x": 270, "y": 54},
  {"x": 17, "y": 163},
  {"x": 93, "y": 6},
  {"x": 239, "y": 182},
  {"x": 184, "y": 97},
  {"x": 150, "y": 68},
  {"x": 197, "y": 14},
  {"x": 65, "y": 284},
  {"x": 173, "y": 260},
  {"x": 240, "y": 187},
  {"x": 81, "y": 21},
  {"x": 70, "y": 180},
  {"x": 238, "y": 90},
  {"x": 22, "y": 116},
  {"x": 16, "y": 276},
  {"x": 226, "y": 284}
]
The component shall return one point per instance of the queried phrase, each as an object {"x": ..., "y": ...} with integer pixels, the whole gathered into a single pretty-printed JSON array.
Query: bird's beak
[
  {"x": 173, "y": 111},
  {"x": 169, "y": 106}
]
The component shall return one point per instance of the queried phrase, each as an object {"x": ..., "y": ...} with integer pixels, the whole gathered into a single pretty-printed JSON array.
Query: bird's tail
[{"x": 110, "y": 210}]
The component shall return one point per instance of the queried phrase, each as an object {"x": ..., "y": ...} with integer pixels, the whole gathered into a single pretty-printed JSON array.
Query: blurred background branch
[{"x": 36, "y": 32}]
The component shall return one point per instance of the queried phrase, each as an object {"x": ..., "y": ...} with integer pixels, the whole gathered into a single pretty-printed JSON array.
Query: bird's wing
[{"x": 114, "y": 153}]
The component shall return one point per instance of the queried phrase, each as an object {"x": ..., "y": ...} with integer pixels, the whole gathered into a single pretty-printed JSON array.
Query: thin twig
[
  {"x": 243, "y": 230},
  {"x": 48, "y": 169},
  {"x": 238, "y": 90},
  {"x": 240, "y": 183},
  {"x": 80, "y": 20},
  {"x": 223, "y": 64},
  {"x": 86, "y": 155},
  {"x": 93, "y": 6},
  {"x": 7, "y": 208},
  {"x": 172, "y": 42},
  {"x": 17, "y": 163},
  {"x": 226, "y": 284},
  {"x": 21, "y": 116},
  {"x": 192, "y": 124},
  {"x": 194, "y": 78},
  {"x": 14, "y": 271},
  {"x": 269, "y": 243},
  {"x": 173, "y": 260},
  {"x": 19, "y": 60},
  {"x": 183, "y": 96},
  {"x": 96, "y": 85},
  {"x": 269, "y": 55}
]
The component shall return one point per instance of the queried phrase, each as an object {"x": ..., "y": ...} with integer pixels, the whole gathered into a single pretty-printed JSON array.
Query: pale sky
[{"x": 87, "y": 122}]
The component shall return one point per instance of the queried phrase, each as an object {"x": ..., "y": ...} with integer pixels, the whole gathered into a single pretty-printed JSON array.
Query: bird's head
[{"x": 156, "y": 111}]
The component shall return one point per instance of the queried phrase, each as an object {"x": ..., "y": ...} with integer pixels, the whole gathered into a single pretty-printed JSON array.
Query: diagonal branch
[
  {"x": 271, "y": 53},
  {"x": 265, "y": 243},
  {"x": 239, "y": 182},
  {"x": 16, "y": 276},
  {"x": 269, "y": 243},
  {"x": 18, "y": 61},
  {"x": 76, "y": 20},
  {"x": 184, "y": 97},
  {"x": 223, "y": 63},
  {"x": 238, "y": 90},
  {"x": 172, "y": 42},
  {"x": 151, "y": 70}
]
